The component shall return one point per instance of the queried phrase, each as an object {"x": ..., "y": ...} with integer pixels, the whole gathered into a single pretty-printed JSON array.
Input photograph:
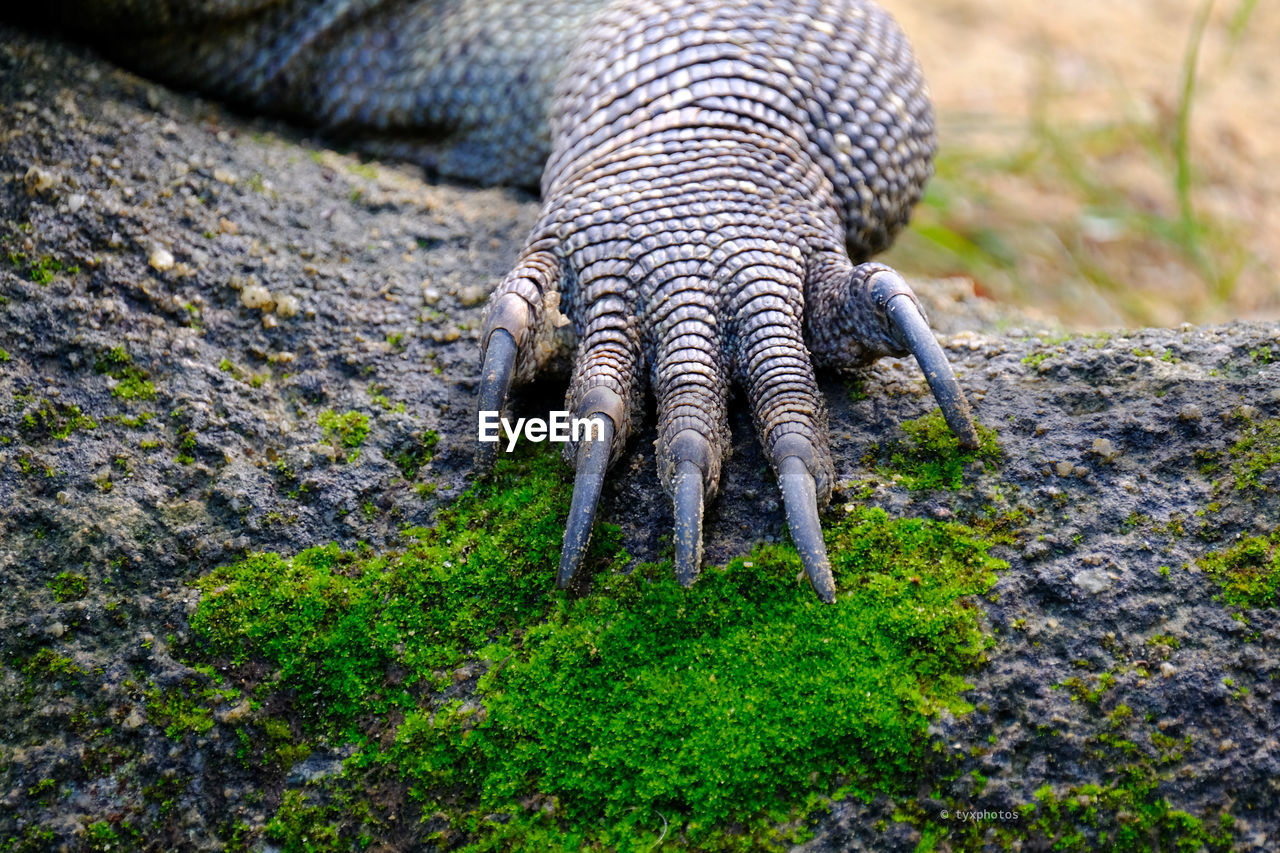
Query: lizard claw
[
  {"x": 495, "y": 383},
  {"x": 688, "y": 511},
  {"x": 508, "y": 319},
  {"x": 691, "y": 454},
  {"x": 604, "y": 408},
  {"x": 800, "y": 501},
  {"x": 592, "y": 462},
  {"x": 912, "y": 330}
]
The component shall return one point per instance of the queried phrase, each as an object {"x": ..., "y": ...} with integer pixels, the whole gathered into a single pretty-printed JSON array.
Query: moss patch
[
  {"x": 523, "y": 717},
  {"x": 348, "y": 430},
  {"x": 68, "y": 586},
  {"x": 1248, "y": 572},
  {"x": 132, "y": 382},
  {"x": 57, "y": 421},
  {"x": 930, "y": 456},
  {"x": 1256, "y": 452},
  {"x": 416, "y": 453}
]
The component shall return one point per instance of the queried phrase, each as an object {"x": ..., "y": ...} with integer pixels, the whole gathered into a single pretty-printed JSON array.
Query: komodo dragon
[{"x": 711, "y": 172}]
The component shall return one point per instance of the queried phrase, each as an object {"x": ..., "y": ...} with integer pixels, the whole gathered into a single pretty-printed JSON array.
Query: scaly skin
[{"x": 713, "y": 171}]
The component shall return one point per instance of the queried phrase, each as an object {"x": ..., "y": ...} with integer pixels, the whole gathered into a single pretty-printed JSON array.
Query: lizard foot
[{"x": 694, "y": 343}]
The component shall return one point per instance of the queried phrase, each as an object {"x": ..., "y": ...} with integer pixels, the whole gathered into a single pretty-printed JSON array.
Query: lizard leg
[{"x": 857, "y": 314}]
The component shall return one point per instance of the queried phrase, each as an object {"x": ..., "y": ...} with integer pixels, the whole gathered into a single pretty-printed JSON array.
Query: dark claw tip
[
  {"x": 592, "y": 461},
  {"x": 688, "y": 511},
  {"x": 919, "y": 339},
  {"x": 800, "y": 500},
  {"x": 495, "y": 383}
]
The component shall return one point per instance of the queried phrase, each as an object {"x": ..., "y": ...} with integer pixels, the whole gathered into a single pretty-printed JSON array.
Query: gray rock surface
[{"x": 255, "y": 280}]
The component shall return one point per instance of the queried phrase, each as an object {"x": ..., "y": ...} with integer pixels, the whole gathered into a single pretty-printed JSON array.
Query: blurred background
[{"x": 1106, "y": 163}]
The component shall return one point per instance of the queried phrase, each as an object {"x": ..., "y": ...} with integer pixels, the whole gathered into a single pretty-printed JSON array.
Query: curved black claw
[
  {"x": 800, "y": 499},
  {"x": 495, "y": 383},
  {"x": 593, "y": 461},
  {"x": 688, "y": 510},
  {"x": 914, "y": 331}
]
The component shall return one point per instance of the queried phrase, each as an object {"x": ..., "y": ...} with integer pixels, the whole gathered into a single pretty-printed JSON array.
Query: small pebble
[
  {"x": 38, "y": 180},
  {"x": 447, "y": 336},
  {"x": 238, "y": 713},
  {"x": 1104, "y": 448},
  {"x": 161, "y": 259},
  {"x": 1065, "y": 469},
  {"x": 470, "y": 295},
  {"x": 1092, "y": 581},
  {"x": 254, "y": 295},
  {"x": 287, "y": 306}
]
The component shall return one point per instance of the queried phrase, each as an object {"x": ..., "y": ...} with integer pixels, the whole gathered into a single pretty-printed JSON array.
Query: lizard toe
[{"x": 857, "y": 314}]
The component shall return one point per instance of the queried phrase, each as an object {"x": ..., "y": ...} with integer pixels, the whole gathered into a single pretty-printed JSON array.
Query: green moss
[
  {"x": 347, "y": 430},
  {"x": 1004, "y": 528},
  {"x": 1255, "y": 452},
  {"x": 186, "y": 446},
  {"x": 41, "y": 271},
  {"x": 1248, "y": 571},
  {"x": 132, "y": 382},
  {"x": 1126, "y": 811},
  {"x": 419, "y": 453},
  {"x": 377, "y": 394},
  {"x": 1082, "y": 692},
  {"x": 46, "y": 664},
  {"x": 137, "y": 421},
  {"x": 101, "y": 837},
  {"x": 930, "y": 457},
  {"x": 363, "y": 170},
  {"x": 33, "y": 839},
  {"x": 186, "y": 709},
  {"x": 4, "y": 356},
  {"x": 69, "y": 586},
  {"x": 1128, "y": 815},
  {"x": 56, "y": 421},
  {"x": 598, "y": 717},
  {"x": 296, "y": 820}
]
